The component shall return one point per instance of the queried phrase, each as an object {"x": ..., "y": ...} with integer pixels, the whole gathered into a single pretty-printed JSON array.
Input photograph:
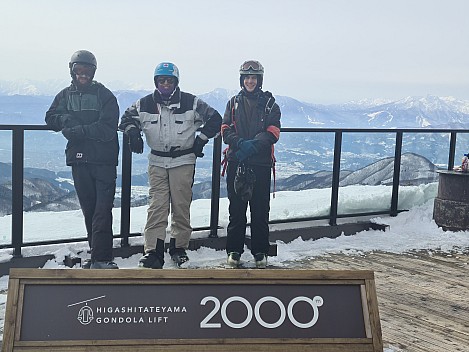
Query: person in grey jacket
[
  {"x": 170, "y": 119},
  {"x": 87, "y": 114}
]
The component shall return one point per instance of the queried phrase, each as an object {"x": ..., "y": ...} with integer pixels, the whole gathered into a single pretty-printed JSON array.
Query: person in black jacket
[
  {"x": 251, "y": 126},
  {"x": 87, "y": 114}
]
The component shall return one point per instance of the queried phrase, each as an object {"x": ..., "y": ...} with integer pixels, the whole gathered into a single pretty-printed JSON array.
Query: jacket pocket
[
  {"x": 184, "y": 124},
  {"x": 149, "y": 121}
]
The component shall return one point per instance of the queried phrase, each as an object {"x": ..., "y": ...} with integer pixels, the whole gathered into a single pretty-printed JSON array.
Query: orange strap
[
  {"x": 224, "y": 162},
  {"x": 273, "y": 170}
]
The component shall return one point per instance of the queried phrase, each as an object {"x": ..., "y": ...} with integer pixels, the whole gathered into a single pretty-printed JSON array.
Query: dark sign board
[{"x": 192, "y": 308}]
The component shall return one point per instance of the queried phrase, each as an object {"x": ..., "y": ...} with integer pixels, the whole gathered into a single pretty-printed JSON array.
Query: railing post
[
  {"x": 397, "y": 174},
  {"x": 335, "y": 178},
  {"x": 17, "y": 190},
  {"x": 452, "y": 151},
  {"x": 125, "y": 191},
  {"x": 215, "y": 194}
]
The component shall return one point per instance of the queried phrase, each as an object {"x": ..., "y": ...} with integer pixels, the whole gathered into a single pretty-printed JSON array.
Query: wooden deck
[{"x": 423, "y": 298}]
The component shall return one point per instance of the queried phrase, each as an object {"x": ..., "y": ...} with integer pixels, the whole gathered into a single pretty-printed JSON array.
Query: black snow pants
[
  {"x": 259, "y": 206},
  {"x": 95, "y": 186}
]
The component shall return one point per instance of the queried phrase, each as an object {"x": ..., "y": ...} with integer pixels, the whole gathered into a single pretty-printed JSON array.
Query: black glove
[
  {"x": 74, "y": 134},
  {"x": 69, "y": 121},
  {"x": 59, "y": 122},
  {"x": 198, "y": 147},
  {"x": 63, "y": 120},
  {"x": 135, "y": 140}
]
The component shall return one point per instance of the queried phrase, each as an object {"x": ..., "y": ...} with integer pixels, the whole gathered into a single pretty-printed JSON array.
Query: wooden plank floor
[{"x": 423, "y": 298}]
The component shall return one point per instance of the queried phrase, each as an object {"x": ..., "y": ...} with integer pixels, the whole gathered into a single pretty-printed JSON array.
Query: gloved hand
[
  {"x": 69, "y": 121},
  {"x": 135, "y": 140},
  {"x": 246, "y": 148},
  {"x": 74, "y": 134},
  {"x": 64, "y": 120},
  {"x": 198, "y": 147}
]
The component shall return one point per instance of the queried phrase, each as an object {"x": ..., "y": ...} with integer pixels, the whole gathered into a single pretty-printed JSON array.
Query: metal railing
[{"x": 126, "y": 170}]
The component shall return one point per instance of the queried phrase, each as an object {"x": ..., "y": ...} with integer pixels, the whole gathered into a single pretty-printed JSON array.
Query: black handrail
[
  {"x": 335, "y": 178},
  {"x": 125, "y": 192},
  {"x": 215, "y": 196},
  {"x": 17, "y": 191},
  {"x": 126, "y": 168},
  {"x": 396, "y": 173},
  {"x": 452, "y": 150}
]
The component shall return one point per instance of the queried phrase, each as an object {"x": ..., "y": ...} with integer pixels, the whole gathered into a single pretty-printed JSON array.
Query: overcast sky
[{"x": 318, "y": 51}]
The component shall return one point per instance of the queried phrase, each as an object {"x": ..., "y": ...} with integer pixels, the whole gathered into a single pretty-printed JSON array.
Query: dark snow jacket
[
  {"x": 95, "y": 109},
  {"x": 252, "y": 116}
]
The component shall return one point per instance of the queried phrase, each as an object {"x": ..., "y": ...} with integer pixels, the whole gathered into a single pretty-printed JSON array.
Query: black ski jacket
[
  {"x": 252, "y": 116},
  {"x": 96, "y": 109}
]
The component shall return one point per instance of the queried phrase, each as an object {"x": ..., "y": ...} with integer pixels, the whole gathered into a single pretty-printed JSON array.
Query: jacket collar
[
  {"x": 84, "y": 89},
  {"x": 172, "y": 103},
  {"x": 252, "y": 95}
]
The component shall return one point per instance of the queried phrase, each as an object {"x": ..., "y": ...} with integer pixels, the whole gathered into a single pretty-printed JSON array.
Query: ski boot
[
  {"x": 103, "y": 265},
  {"x": 261, "y": 260},
  {"x": 153, "y": 259},
  {"x": 178, "y": 255},
  {"x": 234, "y": 259}
]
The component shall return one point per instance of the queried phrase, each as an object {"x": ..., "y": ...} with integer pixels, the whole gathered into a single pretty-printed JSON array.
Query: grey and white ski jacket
[{"x": 172, "y": 126}]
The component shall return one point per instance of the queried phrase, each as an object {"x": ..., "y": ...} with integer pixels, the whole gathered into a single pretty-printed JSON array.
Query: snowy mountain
[
  {"x": 415, "y": 170},
  {"x": 25, "y": 102},
  {"x": 414, "y": 112},
  {"x": 52, "y": 87},
  {"x": 411, "y": 112},
  {"x": 31, "y": 87},
  {"x": 296, "y": 153}
]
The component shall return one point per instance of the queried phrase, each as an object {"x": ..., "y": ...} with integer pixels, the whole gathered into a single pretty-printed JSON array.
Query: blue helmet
[{"x": 167, "y": 69}]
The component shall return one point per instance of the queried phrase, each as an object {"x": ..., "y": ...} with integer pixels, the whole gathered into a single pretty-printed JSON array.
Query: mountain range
[{"x": 25, "y": 102}]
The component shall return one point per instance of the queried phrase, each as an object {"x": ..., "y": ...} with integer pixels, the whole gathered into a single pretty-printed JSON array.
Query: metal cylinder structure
[{"x": 451, "y": 206}]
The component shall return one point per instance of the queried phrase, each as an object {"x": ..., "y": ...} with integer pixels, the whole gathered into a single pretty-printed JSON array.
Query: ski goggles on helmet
[
  {"x": 163, "y": 79},
  {"x": 251, "y": 65},
  {"x": 83, "y": 69}
]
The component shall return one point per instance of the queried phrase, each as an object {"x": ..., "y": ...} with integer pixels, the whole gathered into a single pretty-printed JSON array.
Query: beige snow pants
[{"x": 170, "y": 189}]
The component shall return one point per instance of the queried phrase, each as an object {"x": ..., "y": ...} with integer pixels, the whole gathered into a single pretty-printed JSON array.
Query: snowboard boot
[
  {"x": 178, "y": 255},
  {"x": 261, "y": 260},
  {"x": 153, "y": 259},
  {"x": 86, "y": 264},
  {"x": 103, "y": 265},
  {"x": 234, "y": 259}
]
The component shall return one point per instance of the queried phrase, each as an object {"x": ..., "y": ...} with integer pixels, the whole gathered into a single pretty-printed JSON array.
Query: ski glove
[
  {"x": 69, "y": 121},
  {"x": 246, "y": 148},
  {"x": 135, "y": 140},
  {"x": 59, "y": 122},
  {"x": 63, "y": 121},
  {"x": 74, "y": 134},
  {"x": 198, "y": 147}
]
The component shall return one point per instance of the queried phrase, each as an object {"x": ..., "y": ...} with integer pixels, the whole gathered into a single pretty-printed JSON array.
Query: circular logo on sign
[{"x": 85, "y": 315}]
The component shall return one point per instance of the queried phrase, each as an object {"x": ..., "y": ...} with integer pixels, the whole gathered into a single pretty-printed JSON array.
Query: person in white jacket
[{"x": 170, "y": 119}]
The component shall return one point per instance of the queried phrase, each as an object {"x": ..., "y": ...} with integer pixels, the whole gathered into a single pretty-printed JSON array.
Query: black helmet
[
  {"x": 251, "y": 67},
  {"x": 83, "y": 57}
]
